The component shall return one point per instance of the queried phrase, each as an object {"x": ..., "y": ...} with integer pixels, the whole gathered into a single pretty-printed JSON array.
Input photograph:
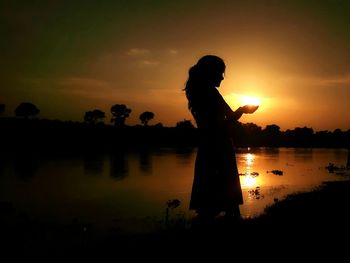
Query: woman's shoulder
[
  {"x": 215, "y": 93},
  {"x": 217, "y": 96}
]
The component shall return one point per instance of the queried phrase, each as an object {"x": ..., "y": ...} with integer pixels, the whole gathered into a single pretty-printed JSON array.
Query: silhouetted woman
[{"x": 216, "y": 186}]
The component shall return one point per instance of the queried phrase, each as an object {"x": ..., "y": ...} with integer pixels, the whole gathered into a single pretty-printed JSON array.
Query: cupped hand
[{"x": 249, "y": 108}]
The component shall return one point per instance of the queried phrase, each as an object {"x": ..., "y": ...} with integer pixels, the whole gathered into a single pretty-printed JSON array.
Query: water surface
[{"x": 110, "y": 189}]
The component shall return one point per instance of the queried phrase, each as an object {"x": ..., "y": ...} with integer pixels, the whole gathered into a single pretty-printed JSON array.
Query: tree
[
  {"x": 120, "y": 112},
  {"x": 185, "y": 124},
  {"x": 302, "y": 136},
  {"x": 26, "y": 109},
  {"x": 94, "y": 116},
  {"x": 145, "y": 117},
  {"x": 272, "y": 135}
]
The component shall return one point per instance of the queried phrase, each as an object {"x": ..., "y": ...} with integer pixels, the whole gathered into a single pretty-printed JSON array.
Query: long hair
[{"x": 200, "y": 80}]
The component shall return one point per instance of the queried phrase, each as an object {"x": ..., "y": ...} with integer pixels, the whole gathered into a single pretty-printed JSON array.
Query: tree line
[
  {"x": 120, "y": 112},
  {"x": 93, "y": 130}
]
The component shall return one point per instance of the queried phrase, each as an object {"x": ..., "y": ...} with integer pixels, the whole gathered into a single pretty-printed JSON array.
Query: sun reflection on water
[
  {"x": 248, "y": 181},
  {"x": 249, "y": 158},
  {"x": 249, "y": 178}
]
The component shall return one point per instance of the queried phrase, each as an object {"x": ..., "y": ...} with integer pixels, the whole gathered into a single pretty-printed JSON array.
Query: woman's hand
[
  {"x": 244, "y": 109},
  {"x": 248, "y": 109}
]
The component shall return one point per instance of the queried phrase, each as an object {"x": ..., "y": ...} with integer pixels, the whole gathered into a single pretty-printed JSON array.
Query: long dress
[{"x": 216, "y": 185}]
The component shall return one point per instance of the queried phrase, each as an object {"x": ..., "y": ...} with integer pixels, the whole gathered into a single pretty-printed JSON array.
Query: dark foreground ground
[{"x": 312, "y": 224}]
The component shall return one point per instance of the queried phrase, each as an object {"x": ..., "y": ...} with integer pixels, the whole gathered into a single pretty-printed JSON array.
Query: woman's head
[
  {"x": 208, "y": 71},
  {"x": 206, "y": 74}
]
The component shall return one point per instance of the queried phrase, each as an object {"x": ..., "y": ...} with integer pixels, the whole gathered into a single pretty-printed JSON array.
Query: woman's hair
[{"x": 200, "y": 79}]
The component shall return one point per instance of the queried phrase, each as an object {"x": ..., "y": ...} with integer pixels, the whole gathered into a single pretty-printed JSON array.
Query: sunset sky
[{"x": 68, "y": 57}]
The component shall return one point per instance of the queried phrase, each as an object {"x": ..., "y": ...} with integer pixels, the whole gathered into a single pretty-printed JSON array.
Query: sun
[{"x": 247, "y": 100}]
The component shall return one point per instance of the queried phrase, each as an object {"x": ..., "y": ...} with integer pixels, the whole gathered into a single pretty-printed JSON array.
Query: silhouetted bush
[
  {"x": 26, "y": 110},
  {"x": 94, "y": 116}
]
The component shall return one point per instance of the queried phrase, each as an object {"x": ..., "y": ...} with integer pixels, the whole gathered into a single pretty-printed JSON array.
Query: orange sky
[{"x": 70, "y": 58}]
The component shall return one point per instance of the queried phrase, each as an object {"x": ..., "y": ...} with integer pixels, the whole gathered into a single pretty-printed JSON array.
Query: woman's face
[{"x": 217, "y": 78}]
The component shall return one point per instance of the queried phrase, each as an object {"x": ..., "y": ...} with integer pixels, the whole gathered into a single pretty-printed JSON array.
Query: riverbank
[
  {"x": 314, "y": 223},
  {"x": 315, "y": 218}
]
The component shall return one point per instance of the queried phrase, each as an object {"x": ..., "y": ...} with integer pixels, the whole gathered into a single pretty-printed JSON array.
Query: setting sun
[{"x": 246, "y": 100}]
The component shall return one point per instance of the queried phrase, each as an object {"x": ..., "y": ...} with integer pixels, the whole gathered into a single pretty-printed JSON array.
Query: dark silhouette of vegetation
[
  {"x": 26, "y": 110},
  {"x": 272, "y": 134},
  {"x": 170, "y": 205},
  {"x": 145, "y": 117},
  {"x": 120, "y": 112},
  {"x": 94, "y": 116},
  {"x": 2, "y": 108},
  {"x": 185, "y": 124},
  {"x": 55, "y": 135}
]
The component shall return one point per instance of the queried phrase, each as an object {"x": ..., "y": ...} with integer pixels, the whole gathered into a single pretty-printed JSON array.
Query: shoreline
[{"x": 308, "y": 217}]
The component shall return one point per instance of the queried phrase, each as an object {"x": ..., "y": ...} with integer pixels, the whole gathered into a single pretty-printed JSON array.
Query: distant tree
[
  {"x": 339, "y": 138},
  {"x": 251, "y": 134},
  {"x": 272, "y": 129},
  {"x": 323, "y": 138},
  {"x": 145, "y": 117},
  {"x": 26, "y": 110},
  {"x": 303, "y": 136},
  {"x": 272, "y": 135},
  {"x": 2, "y": 108},
  {"x": 185, "y": 124},
  {"x": 94, "y": 116},
  {"x": 120, "y": 112}
]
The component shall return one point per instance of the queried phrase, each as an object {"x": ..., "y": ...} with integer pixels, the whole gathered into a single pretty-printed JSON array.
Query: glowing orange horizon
[{"x": 247, "y": 100}]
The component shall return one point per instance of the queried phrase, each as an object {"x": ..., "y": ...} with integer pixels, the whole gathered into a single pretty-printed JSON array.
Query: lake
[{"x": 129, "y": 190}]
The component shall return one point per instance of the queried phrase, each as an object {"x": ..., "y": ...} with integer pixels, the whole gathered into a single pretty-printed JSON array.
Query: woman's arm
[{"x": 235, "y": 115}]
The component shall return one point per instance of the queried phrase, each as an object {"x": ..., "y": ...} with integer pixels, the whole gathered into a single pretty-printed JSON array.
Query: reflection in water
[
  {"x": 338, "y": 153},
  {"x": 303, "y": 154},
  {"x": 145, "y": 161},
  {"x": 184, "y": 155},
  {"x": 61, "y": 188},
  {"x": 25, "y": 165},
  {"x": 271, "y": 150},
  {"x": 249, "y": 177},
  {"x": 249, "y": 160},
  {"x": 93, "y": 163},
  {"x": 118, "y": 165},
  {"x": 248, "y": 181}
]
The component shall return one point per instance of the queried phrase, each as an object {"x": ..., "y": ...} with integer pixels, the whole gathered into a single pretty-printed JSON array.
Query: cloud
[
  {"x": 85, "y": 83},
  {"x": 149, "y": 62},
  {"x": 86, "y": 87},
  {"x": 138, "y": 52},
  {"x": 342, "y": 80},
  {"x": 173, "y": 51}
]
